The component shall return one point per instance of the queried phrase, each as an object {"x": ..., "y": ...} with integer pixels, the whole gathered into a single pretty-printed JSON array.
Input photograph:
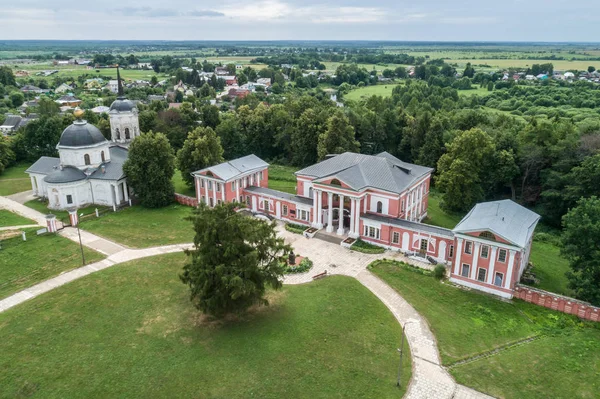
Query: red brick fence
[
  {"x": 557, "y": 302},
  {"x": 185, "y": 200}
]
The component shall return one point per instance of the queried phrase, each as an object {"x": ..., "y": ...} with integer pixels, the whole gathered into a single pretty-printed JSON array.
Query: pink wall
[
  {"x": 185, "y": 200},
  {"x": 557, "y": 302}
]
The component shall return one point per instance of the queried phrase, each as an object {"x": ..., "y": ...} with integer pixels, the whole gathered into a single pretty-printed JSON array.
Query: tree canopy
[{"x": 201, "y": 149}]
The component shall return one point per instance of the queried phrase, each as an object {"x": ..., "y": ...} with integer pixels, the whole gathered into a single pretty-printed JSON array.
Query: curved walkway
[{"x": 429, "y": 379}]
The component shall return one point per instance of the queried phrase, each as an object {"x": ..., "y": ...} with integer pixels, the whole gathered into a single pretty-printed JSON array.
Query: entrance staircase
[{"x": 329, "y": 237}]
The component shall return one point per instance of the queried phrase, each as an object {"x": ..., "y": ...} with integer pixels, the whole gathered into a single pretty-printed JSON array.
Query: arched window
[
  {"x": 102, "y": 156},
  {"x": 379, "y": 207},
  {"x": 127, "y": 137},
  {"x": 209, "y": 173},
  {"x": 118, "y": 134},
  {"x": 335, "y": 182},
  {"x": 310, "y": 192},
  {"x": 86, "y": 159},
  {"x": 488, "y": 235}
]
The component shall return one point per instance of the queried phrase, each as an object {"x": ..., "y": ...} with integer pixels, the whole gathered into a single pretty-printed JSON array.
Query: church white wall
[
  {"x": 76, "y": 156},
  {"x": 119, "y": 122},
  {"x": 38, "y": 185},
  {"x": 58, "y": 195}
]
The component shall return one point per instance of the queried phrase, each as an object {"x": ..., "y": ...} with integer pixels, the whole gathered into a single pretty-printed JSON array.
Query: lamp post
[
  {"x": 80, "y": 243},
  {"x": 401, "y": 350}
]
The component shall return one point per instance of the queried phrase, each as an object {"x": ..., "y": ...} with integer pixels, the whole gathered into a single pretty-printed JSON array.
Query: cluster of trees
[{"x": 111, "y": 59}]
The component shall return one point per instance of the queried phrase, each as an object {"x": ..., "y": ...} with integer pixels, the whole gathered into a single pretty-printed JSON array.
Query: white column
[
  {"x": 223, "y": 189},
  {"x": 116, "y": 191},
  {"x": 352, "y": 215},
  {"x": 33, "y": 186},
  {"x": 509, "y": 270},
  {"x": 340, "y": 229},
  {"x": 205, "y": 191},
  {"x": 357, "y": 218},
  {"x": 125, "y": 191},
  {"x": 320, "y": 210},
  {"x": 490, "y": 276},
  {"x": 214, "y": 192},
  {"x": 420, "y": 199},
  {"x": 237, "y": 190},
  {"x": 475, "y": 260},
  {"x": 314, "y": 207},
  {"x": 457, "y": 256},
  {"x": 365, "y": 204},
  {"x": 329, "y": 212}
]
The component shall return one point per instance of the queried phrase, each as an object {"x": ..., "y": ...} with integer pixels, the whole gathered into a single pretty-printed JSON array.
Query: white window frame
[
  {"x": 501, "y": 279},
  {"x": 462, "y": 270},
  {"x": 484, "y": 275},
  {"x": 395, "y": 237},
  {"x": 284, "y": 210},
  {"x": 233, "y": 183},
  {"x": 502, "y": 251},
  {"x": 218, "y": 187},
  {"x": 69, "y": 197},
  {"x": 487, "y": 251}
]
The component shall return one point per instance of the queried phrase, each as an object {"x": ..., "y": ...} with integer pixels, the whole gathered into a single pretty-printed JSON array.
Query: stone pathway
[
  {"x": 429, "y": 379},
  {"x": 22, "y": 197}
]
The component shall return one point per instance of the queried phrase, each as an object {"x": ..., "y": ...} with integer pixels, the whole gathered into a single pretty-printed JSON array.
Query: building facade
[{"x": 383, "y": 200}]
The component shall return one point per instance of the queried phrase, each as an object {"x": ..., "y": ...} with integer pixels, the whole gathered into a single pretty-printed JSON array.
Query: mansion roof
[
  {"x": 407, "y": 224},
  {"x": 231, "y": 169},
  {"x": 505, "y": 218},
  {"x": 280, "y": 194},
  {"x": 382, "y": 171}
]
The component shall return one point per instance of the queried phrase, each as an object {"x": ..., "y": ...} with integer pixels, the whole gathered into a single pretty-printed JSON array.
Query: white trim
[
  {"x": 476, "y": 286},
  {"x": 463, "y": 233}
]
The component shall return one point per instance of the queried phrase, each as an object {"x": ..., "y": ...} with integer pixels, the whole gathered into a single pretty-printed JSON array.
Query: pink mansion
[{"x": 382, "y": 200}]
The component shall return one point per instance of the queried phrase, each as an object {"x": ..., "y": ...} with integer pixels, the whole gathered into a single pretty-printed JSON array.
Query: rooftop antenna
[{"x": 119, "y": 84}]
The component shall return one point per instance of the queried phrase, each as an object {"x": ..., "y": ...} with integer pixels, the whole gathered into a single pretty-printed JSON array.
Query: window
[
  {"x": 202, "y": 183},
  {"x": 233, "y": 186},
  {"x": 218, "y": 202},
  {"x": 396, "y": 237},
  {"x": 502, "y": 255},
  {"x": 423, "y": 245},
  {"x": 118, "y": 134},
  {"x": 335, "y": 182},
  {"x": 210, "y": 185},
  {"x": 451, "y": 252},
  {"x": 498, "y": 279},
  {"x": 246, "y": 185},
  {"x": 372, "y": 232},
  {"x": 211, "y": 203},
  {"x": 379, "y": 207},
  {"x": 248, "y": 200},
  {"x": 102, "y": 156},
  {"x": 485, "y": 251},
  {"x": 86, "y": 159},
  {"x": 481, "y": 274},
  {"x": 266, "y": 205},
  {"x": 127, "y": 136},
  {"x": 468, "y": 247},
  {"x": 285, "y": 210},
  {"x": 488, "y": 235},
  {"x": 218, "y": 187},
  {"x": 402, "y": 207},
  {"x": 465, "y": 270},
  {"x": 302, "y": 215},
  {"x": 69, "y": 199},
  {"x": 241, "y": 198}
]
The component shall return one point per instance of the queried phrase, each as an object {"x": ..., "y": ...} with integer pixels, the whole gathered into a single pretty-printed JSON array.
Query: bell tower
[{"x": 123, "y": 114}]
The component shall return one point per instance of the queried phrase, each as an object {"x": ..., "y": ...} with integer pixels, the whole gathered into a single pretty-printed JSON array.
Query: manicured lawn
[
  {"x": 467, "y": 323},
  {"x": 181, "y": 187},
  {"x": 436, "y": 216},
  {"x": 42, "y": 207},
  {"x": 282, "y": 178},
  {"x": 130, "y": 331},
  {"x": 8, "y": 218},
  {"x": 25, "y": 263},
  {"x": 14, "y": 180},
  {"x": 140, "y": 227},
  {"x": 384, "y": 90},
  {"x": 550, "y": 267}
]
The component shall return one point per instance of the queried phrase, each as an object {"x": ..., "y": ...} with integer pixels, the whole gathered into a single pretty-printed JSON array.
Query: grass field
[
  {"x": 384, "y": 90},
  {"x": 480, "y": 91},
  {"x": 282, "y": 178},
  {"x": 180, "y": 186},
  {"x": 468, "y": 323},
  {"x": 550, "y": 268},
  {"x": 14, "y": 180},
  {"x": 8, "y": 218},
  {"x": 140, "y": 227},
  {"x": 25, "y": 263},
  {"x": 438, "y": 217},
  {"x": 130, "y": 331},
  {"x": 42, "y": 207}
]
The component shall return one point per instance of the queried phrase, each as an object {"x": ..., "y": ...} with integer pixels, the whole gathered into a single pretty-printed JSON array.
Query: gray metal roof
[
  {"x": 112, "y": 170},
  {"x": 280, "y": 194},
  {"x": 231, "y": 169},
  {"x": 80, "y": 134},
  {"x": 122, "y": 104},
  {"x": 406, "y": 224},
  {"x": 12, "y": 121},
  {"x": 67, "y": 174},
  {"x": 505, "y": 218},
  {"x": 44, "y": 165},
  {"x": 382, "y": 171}
]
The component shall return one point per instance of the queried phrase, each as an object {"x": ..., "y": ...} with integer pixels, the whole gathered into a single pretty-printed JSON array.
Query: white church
[{"x": 89, "y": 169}]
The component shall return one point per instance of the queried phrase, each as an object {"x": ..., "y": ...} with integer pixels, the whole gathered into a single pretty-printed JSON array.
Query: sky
[{"x": 433, "y": 20}]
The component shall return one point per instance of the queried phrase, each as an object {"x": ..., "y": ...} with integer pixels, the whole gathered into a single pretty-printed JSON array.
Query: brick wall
[
  {"x": 557, "y": 302},
  {"x": 185, "y": 200}
]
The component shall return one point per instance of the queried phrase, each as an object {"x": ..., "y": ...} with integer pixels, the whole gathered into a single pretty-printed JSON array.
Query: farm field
[
  {"x": 131, "y": 331},
  {"x": 384, "y": 90}
]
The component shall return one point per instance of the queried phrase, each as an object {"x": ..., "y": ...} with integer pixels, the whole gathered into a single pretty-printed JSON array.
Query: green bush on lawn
[
  {"x": 304, "y": 266},
  {"x": 295, "y": 228},
  {"x": 367, "y": 248}
]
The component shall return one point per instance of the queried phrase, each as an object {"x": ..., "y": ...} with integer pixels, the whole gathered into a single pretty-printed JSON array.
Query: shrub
[
  {"x": 295, "y": 228},
  {"x": 367, "y": 248},
  {"x": 304, "y": 266},
  {"x": 439, "y": 272}
]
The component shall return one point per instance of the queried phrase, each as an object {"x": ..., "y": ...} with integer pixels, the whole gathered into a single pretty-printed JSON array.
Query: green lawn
[
  {"x": 384, "y": 90},
  {"x": 438, "y": 217},
  {"x": 282, "y": 178},
  {"x": 140, "y": 227},
  {"x": 476, "y": 90},
  {"x": 42, "y": 207},
  {"x": 550, "y": 267},
  {"x": 8, "y": 218},
  {"x": 181, "y": 187},
  {"x": 14, "y": 180},
  {"x": 25, "y": 263},
  {"x": 130, "y": 331},
  {"x": 467, "y": 323}
]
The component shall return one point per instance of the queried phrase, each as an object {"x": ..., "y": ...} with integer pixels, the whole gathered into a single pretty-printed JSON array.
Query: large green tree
[
  {"x": 235, "y": 258},
  {"x": 7, "y": 156},
  {"x": 581, "y": 246},
  {"x": 338, "y": 137},
  {"x": 149, "y": 169},
  {"x": 201, "y": 149}
]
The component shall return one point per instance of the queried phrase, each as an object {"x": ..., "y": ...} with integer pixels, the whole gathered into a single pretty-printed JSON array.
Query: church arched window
[
  {"x": 379, "y": 207},
  {"x": 118, "y": 134},
  {"x": 102, "y": 156},
  {"x": 86, "y": 159},
  {"x": 127, "y": 137}
]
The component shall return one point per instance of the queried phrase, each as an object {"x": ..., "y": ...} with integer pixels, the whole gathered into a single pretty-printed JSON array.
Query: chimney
[{"x": 103, "y": 169}]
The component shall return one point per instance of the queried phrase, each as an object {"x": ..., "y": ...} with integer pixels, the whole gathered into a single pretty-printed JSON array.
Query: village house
[
  {"x": 68, "y": 101},
  {"x": 10, "y": 124},
  {"x": 383, "y": 200},
  {"x": 63, "y": 88}
]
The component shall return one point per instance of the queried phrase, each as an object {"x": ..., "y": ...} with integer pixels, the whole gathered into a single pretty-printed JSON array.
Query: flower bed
[
  {"x": 295, "y": 228},
  {"x": 367, "y": 248},
  {"x": 302, "y": 266}
]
